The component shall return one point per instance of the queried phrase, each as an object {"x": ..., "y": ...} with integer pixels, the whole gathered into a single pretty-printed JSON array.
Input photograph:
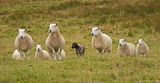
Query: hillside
[{"x": 130, "y": 19}]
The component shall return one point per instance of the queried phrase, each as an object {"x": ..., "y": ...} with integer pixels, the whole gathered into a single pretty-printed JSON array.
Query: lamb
[
  {"x": 40, "y": 53},
  {"x": 63, "y": 54},
  {"x": 125, "y": 48},
  {"x": 100, "y": 41},
  {"x": 55, "y": 42},
  {"x": 23, "y": 41},
  {"x": 17, "y": 55},
  {"x": 80, "y": 49},
  {"x": 142, "y": 48}
]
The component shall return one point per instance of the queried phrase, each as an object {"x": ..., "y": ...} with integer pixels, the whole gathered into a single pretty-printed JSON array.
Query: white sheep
[
  {"x": 40, "y": 53},
  {"x": 142, "y": 48},
  {"x": 23, "y": 41},
  {"x": 101, "y": 41},
  {"x": 125, "y": 48},
  {"x": 55, "y": 41},
  {"x": 63, "y": 54},
  {"x": 17, "y": 55}
]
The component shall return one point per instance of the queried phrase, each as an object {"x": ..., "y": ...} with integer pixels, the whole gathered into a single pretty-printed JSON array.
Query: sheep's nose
[
  {"x": 50, "y": 31},
  {"x": 21, "y": 36},
  {"x": 119, "y": 44}
]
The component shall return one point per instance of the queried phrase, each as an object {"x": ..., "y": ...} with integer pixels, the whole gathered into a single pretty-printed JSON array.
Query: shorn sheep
[
  {"x": 17, "y": 55},
  {"x": 101, "y": 41},
  {"x": 23, "y": 41},
  {"x": 125, "y": 48},
  {"x": 80, "y": 49},
  {"x": 142, "y": 48},
  {"x": 40, "y": 53},
  {"x": 55, "y": 42}
]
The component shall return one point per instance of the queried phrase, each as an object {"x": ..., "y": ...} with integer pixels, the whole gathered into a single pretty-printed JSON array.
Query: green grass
[{"x": 130, "y": 19}]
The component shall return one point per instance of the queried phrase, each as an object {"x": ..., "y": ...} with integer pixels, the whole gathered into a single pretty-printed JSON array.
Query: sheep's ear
[
  {"x": 26, "y": 30},
  {"x": 124, "y": 39},
  {"x": 56, "y": 24},
  {"x": 17, "y": 29}
]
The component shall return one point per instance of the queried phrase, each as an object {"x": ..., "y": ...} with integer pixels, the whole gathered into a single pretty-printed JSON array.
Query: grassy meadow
[{"x": 130, "y": 19}]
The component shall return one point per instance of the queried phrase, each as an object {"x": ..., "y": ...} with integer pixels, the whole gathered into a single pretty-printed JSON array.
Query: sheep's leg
[
  {"x": 22, "y": 54},
  {"x": 59, "y": 54},
  {"x": 54, "y": 54},
  {"x": 77, "y": 52}
]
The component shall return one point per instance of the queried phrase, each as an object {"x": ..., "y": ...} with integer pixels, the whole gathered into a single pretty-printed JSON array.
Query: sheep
[
  {"x": 55, "y": 41},
  {"x": 63, "y": 54},
  {"x": 80, "y": 49},
  {"x": 17, "y": 55},
  {"x": 125, "y": 48},
  {"x": 40, "y": 53},
  {"x": 142, "y": 48},
  {"x": 23, "y": 41},
  {"x": 100, "y": 41}
]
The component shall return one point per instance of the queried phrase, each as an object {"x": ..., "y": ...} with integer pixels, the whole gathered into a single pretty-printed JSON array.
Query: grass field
[{"x": 130, "y": 19}]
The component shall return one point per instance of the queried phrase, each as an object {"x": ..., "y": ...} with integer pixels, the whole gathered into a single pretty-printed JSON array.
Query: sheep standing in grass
[
  {"x": 23, "y": 41},
  {"x": 40, "y": 53},
  {"x": 17, "y": 55},
  {"x": 63, "y": 54},
  {"x": 101, "y": 41},
  {"x": 55, "y": 42},
  {"x": 80, "y": 49},
  {"x": 142, "y": 48},
  {"x": 125, "y": 48}
]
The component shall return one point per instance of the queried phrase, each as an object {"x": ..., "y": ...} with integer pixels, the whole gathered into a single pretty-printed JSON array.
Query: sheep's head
[
  {"x": 140, "y": 41},
  {"x": 53, "y": 28},
  {"x": 95, "y": 31},
  {"x": 21, "y": 33},
  {"x": 74, "y": 45},
  {"x": 122, "y": 42},
  {"x": 38, "y": 47}
]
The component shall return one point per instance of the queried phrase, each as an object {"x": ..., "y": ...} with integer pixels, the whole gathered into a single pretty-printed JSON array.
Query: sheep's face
[
  {"x": 140, "y": 41},
  {"x": 74, "y": 45},
  {"x": 38, "y": 47},
  {"x": 53, "y": 28},
  {"x": 95, "y": 31},
  {"x": 122, "y": 42},
  {"x": 21, "y": 33}
]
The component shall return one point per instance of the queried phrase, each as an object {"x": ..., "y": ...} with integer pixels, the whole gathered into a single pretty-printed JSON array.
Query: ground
[{"x": 130, "y": 19}]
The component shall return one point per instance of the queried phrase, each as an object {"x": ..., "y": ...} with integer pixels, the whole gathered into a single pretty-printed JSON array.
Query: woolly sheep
[
  {"x": 80, "y": 49},
  {"x": 23, "y": 41},
  {"x": 142, "y": 48},
  {"x": 17, "y": 55},
  {"x": 125, "y": 48},
  {"x": 40, "y": 53},
  {"x": 100, "y": 41},
  {"x": 55, "y": 41},
  {"x": 63, "y": 54}
]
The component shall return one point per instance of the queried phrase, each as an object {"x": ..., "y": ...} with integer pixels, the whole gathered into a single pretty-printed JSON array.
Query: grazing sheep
[
  {"x": 23, "y": 41},
  {"x": 125, "y": 48},
  {"x": 142, "y": 48},
  {"x": 17, "y": 55},
  {"x": 40, "y": 53},
  {"x": 55, "y": 42},
  {"x": 80, "y": 49},
  {"x": 101, "y": 41}
]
